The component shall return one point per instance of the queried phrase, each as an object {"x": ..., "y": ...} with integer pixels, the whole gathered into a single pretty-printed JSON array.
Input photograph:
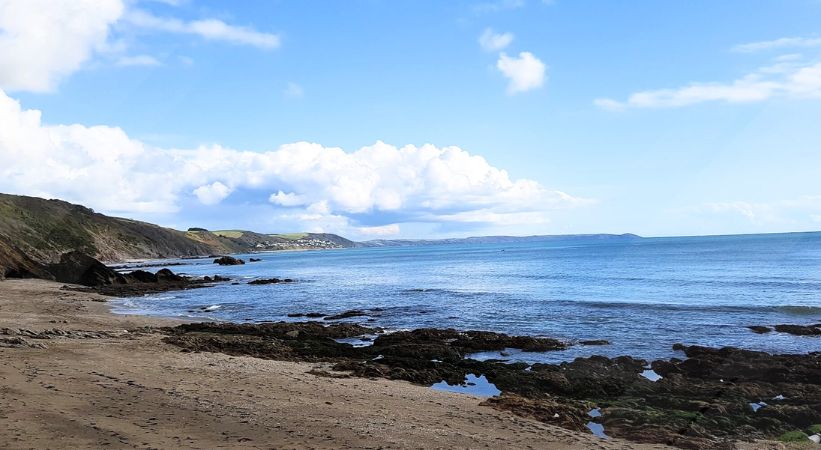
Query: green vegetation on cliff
[{"x": 35, "y": 231}]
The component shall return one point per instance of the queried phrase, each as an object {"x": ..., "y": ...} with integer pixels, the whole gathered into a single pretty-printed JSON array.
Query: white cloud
[
  {"x": 286, "y": 199},
  {"x": 786, "y": 78},
  {"x": 42, "y": 41},
  {"x": 384, "y": 230},
  {"x": 211, "y": 29},
  {"x": 104, "y": 168},
  {"x": 783, "y": 212},
  {"x": 137, "y": 60},
  {"x": 491, "y": 41},
  {"x": 524, "y": 72},
  {"x": 212, "y": 194},
  {"x": 787, "y": 42},
  {"x": 293, "y": 90}
]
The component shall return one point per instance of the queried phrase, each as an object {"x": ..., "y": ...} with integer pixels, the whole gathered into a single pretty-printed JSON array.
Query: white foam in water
[
  {"x": 473, "y": 385},
  {"x": 357, "y": 341},
  {"x": 212, "y": 308}
]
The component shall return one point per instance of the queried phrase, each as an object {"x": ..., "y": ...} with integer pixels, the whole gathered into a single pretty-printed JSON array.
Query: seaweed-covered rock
[{"x": 704, "y": 401}]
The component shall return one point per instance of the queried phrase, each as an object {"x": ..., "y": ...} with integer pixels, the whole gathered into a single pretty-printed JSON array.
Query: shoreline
[{"x": 132, "y": 390}]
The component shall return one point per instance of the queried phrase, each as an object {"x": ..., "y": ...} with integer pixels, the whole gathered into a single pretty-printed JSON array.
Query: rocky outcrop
[
  {"x": 759, "y": 329},
  {"x": 14, "y": 263},
  {"x": 347, "y": 315},
  {"x": 270, "y": 281},
  {"x": 704, "y": 401},
  {"x": 228, "y": 261},
  {"x": 79, "y": 268},
  {"x": 800, "y": 330},
  {"x": 797, "y": 330}
]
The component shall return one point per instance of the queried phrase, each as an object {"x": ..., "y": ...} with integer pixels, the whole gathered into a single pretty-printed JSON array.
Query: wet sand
[{"x": 111, "y": 389}]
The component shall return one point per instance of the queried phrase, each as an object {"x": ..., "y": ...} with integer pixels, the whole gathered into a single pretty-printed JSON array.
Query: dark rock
[
  {"x": 566, "y": 414},
  {"x": 255, "y": 259},
  {"x": 271, "y": 281},
  {"x": 701, "y": 402},
  {"x": 79, "y": 268},
  {"x": 595, "y": 342},
  {"x": 312, "y": 315},
  {"x": 228, "y": 261},
  {"x": 799, "y": 330},
  {"x": 141, "y": 276},
  {"x": 347, "y": 314},
  {"x": 759, "y": 329},
  {"x": 165, "y": 275}
]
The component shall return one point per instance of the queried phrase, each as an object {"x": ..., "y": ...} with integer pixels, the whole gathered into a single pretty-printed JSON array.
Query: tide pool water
[{"x": 641, "y": 295}]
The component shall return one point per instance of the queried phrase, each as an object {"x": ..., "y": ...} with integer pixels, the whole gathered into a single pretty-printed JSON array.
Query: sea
[{"x": 640, "y": 295}]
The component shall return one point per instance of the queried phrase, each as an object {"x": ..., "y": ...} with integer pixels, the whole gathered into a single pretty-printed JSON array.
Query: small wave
[
  {"x": 211, "y": 308},
  {"x": 449, "y": 292},
  {"x": 789, "y": 309},
  {"x": 799, "y": 310}
]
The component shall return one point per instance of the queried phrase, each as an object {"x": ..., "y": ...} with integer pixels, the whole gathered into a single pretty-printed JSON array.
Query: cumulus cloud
[
  {"x": 788, "y": 78},
  {"x": 286, "y": 199},
  {"x": 374, "y": 186},
  {"x": 524, "y": 73},
  {"x": 212, "y": 194},
  {"x": 776, "y": 44},
  {"x": 42, "y": 41},
  {"x": 211, "y": 29},
  {"x": 491, "y": 41}
]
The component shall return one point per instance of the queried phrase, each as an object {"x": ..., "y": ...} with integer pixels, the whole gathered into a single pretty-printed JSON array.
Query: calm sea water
[{"x": 642, "y": 295}]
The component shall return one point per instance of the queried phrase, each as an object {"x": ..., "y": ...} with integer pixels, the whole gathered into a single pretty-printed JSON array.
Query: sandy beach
[{"x": 94, "y": 385}]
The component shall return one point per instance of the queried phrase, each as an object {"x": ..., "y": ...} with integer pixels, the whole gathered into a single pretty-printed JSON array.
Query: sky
[{"x": 419, "y": 119}]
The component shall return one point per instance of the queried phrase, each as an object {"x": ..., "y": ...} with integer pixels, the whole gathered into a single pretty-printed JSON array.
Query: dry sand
[{"x": 134, "y": 391}]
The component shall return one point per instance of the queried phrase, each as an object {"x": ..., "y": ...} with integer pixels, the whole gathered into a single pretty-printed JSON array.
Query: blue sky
[{"x": 657, "y": 118}]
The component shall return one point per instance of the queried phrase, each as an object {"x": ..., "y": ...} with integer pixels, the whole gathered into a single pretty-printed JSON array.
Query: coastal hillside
[
  {"x": 36, "y": 231},
  {"x": 44, "y": 229}
]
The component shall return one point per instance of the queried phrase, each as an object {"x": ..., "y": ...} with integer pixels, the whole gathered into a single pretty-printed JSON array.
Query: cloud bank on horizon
[{"x": 325, "y": 189}]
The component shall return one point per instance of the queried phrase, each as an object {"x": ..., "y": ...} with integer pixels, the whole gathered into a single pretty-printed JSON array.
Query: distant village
[{"x": 311, "y": 243}]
